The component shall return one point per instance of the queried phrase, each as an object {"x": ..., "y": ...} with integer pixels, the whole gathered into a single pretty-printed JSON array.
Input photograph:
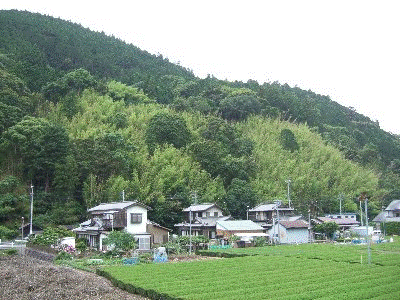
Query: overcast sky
[{"x": 349, "y": 50}]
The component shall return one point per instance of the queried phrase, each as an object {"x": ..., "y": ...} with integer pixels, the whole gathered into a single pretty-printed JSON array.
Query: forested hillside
[{"x": 84, "y": 116}]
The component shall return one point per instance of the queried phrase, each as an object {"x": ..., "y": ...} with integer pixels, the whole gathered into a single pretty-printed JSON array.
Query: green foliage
[
  {"x": 7, "y": 233},
  {"x": 239, "y": 196},
  {"x": 327, "y": 228},
  {"x": 166, "y": 128},
  {"x": 81, "y": 244},
  {"x": 62, "y": 255},
  {"x": 129, "y": 94},
  {"x": 260, "y": 241},
  {"x": 288, "y": 140},
  {"x": 392, "y": 228},
  {"x": 238, "y": 108},
  {"x": 50, "y": 236},
  {"x": 121, "y": 241}
]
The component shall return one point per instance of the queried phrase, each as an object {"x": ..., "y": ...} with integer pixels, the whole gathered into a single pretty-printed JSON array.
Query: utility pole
[
  {"x": 123, "y": 195},
  {"x": 23, "y": 227},
  {"x": 247, "y": 212},
  {"x": 30, "y": 225},
  {"x": 194, "y": 196},
  {"x": 288, "y": 191},
  {"x": 368, "y": 239},
  {"x": 277, "y": 214},
  {"x": 309, "y": 226},
  {"x": 361, "y": 214}
]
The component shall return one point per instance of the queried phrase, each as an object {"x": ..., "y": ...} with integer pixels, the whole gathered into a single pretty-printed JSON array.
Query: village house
[
  {"x": 345, "y": 221},
  {"x": 290, "y": 231},
  {"x": 390, "y": 214},
  {"x": 130, "y": 216},
  {"x": 264, "y": 214},
  {"x": 201, "y": 219}
]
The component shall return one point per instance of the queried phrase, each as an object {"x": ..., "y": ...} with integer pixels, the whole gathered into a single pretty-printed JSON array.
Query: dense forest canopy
[{"x": 84, "y": 116}]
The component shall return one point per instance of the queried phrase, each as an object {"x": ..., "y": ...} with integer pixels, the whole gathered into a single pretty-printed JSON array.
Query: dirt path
[{"x": 27, "y": 279}]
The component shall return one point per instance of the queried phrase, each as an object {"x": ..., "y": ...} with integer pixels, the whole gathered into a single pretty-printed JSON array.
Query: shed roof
[{"x": 239, "y": 225}]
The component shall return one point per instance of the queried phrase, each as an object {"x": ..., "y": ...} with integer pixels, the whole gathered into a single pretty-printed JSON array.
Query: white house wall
[
  {"x": 213, "y": 210},
  {"x": 136, "y": 228},
  {"x": 297, "y": 235}
]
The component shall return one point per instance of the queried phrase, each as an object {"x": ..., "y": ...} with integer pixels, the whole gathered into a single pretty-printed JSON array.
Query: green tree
[
  {"x": 165, "y": 128},
  {"x": 239, "y": 196},
  {"x": 121, "y": 241},
  {"x": 238, "y": 108},
  {"x": 327, "y": 228},
  {"x": 288, "y": 140}
]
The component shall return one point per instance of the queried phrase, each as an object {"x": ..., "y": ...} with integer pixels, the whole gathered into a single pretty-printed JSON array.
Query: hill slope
[{"x": 85, "y": 116}]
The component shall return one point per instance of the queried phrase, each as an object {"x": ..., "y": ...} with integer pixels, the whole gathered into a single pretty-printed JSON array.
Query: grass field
[{"x": 324, "y": 271}]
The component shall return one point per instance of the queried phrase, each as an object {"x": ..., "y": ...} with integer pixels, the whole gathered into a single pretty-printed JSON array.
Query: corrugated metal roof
[
  {"x": 240, "y": 225},
  {"x": 394, "y": 205},
  {"x": 199, "y": 207}
]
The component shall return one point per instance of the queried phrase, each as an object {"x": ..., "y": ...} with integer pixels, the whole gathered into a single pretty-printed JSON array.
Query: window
[
  {"x": 136, "y": 218},
  {"x": 215, "y": 214},
  {"x": 207, "y": 214},
  {"x": 144, "y": 243}
]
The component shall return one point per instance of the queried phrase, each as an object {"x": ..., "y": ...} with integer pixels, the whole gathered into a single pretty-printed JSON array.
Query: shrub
[
  {"x": 63, "y": 256},
  {"x": 392, "y": 228},
  {"x": 7, "y": 233},
  {"x": 260, "y": 241}
]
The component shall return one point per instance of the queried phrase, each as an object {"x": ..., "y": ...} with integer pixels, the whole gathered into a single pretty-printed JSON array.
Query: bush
[
  {"x": 260, "y": 241},
  {"x": 392, "y": 228},
  {"x": 63, "y": 256},
  {"x": 11, "y": 251},
  {"x": 7, "y": 233}
]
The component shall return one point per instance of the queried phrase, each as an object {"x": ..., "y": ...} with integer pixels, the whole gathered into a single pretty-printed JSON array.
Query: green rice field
[{"x": 316, "y": 271}]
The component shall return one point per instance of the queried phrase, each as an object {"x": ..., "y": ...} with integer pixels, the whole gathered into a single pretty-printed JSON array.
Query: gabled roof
[
  {"x": 157, "y": 225},
  {"x": 294, "y": 224},
  {"x": 268, "y": 207},
  {"x": 204, "y": 222},
  {"x": 116, "y": 206},
  {"x": 201, "y": 207},
  {"x": 394, "y": 205},
  {"x": 239, "y": 225}
]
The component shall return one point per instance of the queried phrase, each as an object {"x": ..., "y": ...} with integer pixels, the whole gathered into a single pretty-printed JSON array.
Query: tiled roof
[
  {"x": 394, "y": 205},
  {"x": 239, "y": 225},
  {"x": 199, "y": 207},
  {"x": 204, "y": 222},
  {"x": 294, "y": 224},
  {"x": 115, "y": 206},
  {"x": 345, "y": 221},
  {"x": 268, "y": 207}
]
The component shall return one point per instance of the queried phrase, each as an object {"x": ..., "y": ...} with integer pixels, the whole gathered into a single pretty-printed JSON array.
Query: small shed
[
  {"x": 247, "y": 230},
  {"x": 291, "y": 232}
]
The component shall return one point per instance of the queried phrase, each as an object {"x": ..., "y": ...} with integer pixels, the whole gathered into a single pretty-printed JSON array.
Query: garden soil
[{"x": 25, "y": 278}]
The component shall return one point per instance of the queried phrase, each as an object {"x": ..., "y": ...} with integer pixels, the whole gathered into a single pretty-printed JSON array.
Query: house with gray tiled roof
[
  {"x": 390, "y": 214},
  {"x": 130, "y": 216},
  {"x": 201, "y": 219}
]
